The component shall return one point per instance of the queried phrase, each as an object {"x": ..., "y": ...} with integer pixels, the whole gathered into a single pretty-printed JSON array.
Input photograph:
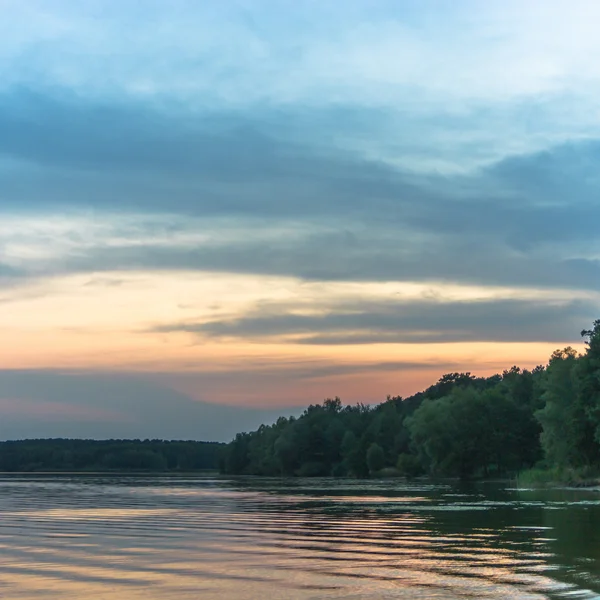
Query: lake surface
[{"x": 265, "y": 539}]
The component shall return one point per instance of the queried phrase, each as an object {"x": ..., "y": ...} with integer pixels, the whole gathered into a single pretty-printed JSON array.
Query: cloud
[
  {"x": 348, "y": 257},
  {"x": 124, "y": 137},
  {"x": 122, "y": 157},
  {"x": 526, "y": 220},
  {"x": 304, "y": 250},
  {"x": 47, "y": 403},
  {"x": 414, "y": 321},
  {"x": 202, "y": 157},
  {"x": 6, "y": 271},
  {"x": 239, "y": 52},
  {"x": 11, "y": 278}
]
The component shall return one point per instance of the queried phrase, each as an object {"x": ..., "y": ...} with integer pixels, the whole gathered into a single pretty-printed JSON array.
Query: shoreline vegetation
[
  {"x": 108, "y": 456},
  {"x": 551, "y": 477},
  {"x": 539, "y": 427}
]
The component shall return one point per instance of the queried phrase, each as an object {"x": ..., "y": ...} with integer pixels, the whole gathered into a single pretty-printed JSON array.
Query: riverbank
[{"x": 547, "y": 478}]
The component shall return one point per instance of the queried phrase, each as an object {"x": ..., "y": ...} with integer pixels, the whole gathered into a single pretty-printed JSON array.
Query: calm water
[{"x": 133, "y": 537}]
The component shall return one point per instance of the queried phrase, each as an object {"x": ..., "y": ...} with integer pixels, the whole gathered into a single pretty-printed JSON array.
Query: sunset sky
[{"x": 260, "y": 204}]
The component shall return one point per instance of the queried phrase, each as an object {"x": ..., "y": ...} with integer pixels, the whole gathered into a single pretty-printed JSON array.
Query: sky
[{"x": 212, "y": 213}]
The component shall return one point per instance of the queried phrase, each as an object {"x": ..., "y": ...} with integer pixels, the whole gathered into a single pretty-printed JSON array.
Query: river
[{"x": 106, "y": 537}]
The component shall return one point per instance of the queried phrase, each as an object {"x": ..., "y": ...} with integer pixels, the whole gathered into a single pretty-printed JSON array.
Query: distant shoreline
[
  {"x": 108, "y": 456},
  {"x": 122, "y": 472}
]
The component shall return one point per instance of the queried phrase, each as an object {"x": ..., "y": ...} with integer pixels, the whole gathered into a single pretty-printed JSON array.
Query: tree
[
  {"x": 462, "y": 426},
  {"x": 471, "y": 432},
  {"x": 589, "y": 387},
  {"x": 567, "y": 418},
  {"x": 375, "y": 457}
]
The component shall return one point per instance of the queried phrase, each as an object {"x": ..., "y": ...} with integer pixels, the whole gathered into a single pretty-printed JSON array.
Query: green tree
[
  {"x": 351, "y": 455},
  {"x": 563, "y": 419},
  {"x": 375, "y": 458},
  {"x": 589, "y": 387}
]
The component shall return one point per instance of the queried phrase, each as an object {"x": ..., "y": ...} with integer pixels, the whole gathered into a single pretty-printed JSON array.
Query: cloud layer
[
  {"x": 420, "y": 321},
  {"x": 224, "y": 185}
]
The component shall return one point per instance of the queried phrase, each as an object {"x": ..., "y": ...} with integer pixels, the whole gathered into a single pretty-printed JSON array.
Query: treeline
[
  {"x": 461, "y": 426},
  {"x": 108, "y": 455}
]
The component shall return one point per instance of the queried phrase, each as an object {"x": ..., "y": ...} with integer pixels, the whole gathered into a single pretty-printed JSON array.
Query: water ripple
[{"x": 107, "y": 537}]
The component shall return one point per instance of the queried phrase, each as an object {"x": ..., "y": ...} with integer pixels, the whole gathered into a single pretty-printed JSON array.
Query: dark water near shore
[{"x": 164, "y": 537}]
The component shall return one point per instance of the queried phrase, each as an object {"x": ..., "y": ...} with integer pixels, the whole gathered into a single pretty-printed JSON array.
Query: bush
[
  {"x": 408, "y": 465},
  {"x": 540, "y": 477}
]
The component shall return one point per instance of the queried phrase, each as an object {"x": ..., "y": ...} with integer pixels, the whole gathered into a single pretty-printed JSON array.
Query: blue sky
[{"x": 262, "y": 204}]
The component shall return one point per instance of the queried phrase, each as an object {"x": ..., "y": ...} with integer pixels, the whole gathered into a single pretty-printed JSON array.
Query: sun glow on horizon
[{"x": 110, "y": 322}]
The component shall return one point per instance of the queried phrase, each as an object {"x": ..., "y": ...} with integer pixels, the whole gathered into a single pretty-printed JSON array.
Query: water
[{"x": 163, "y": 537}]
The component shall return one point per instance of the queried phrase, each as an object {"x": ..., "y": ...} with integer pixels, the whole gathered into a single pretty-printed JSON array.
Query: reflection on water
[{"x": 142, "y": 537}]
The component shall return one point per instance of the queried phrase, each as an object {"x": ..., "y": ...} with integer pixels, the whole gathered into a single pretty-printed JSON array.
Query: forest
[
  {"x": 544, "y": 420},
  {"x": 107, "y": 455}
]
